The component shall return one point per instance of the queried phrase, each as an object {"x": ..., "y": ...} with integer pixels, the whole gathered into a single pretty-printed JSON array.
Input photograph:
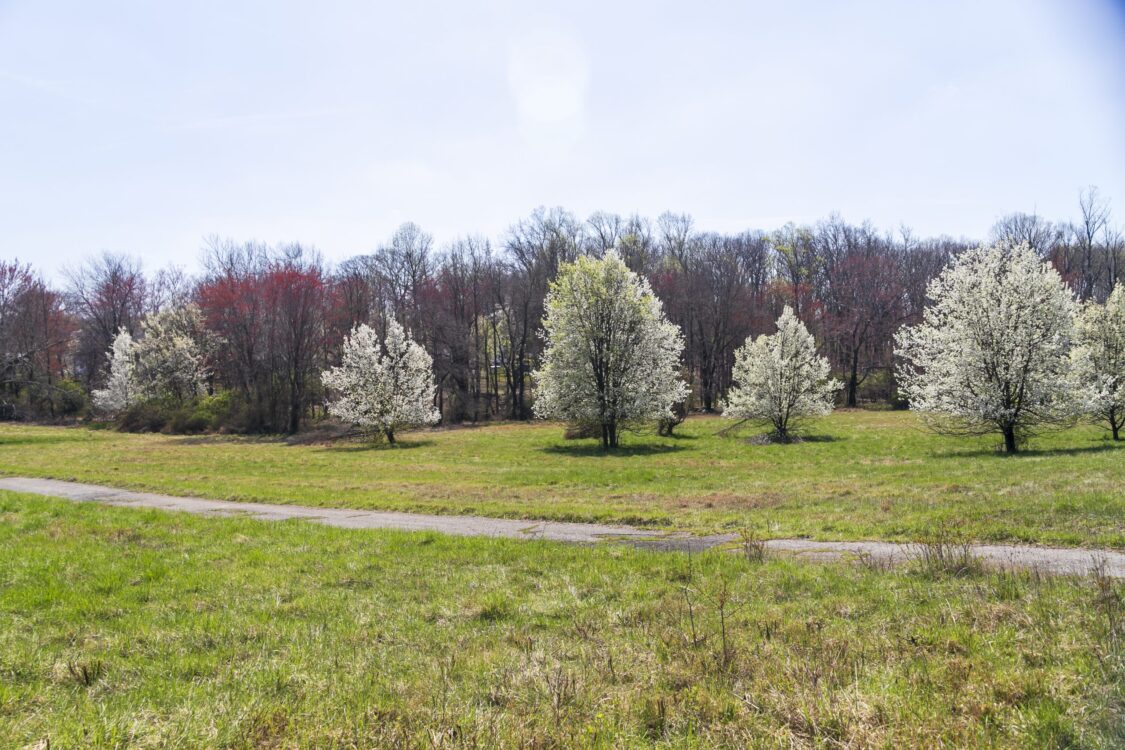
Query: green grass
[
  {"x": 125, "y": 628},
  {"x": 864, "y": 475}
]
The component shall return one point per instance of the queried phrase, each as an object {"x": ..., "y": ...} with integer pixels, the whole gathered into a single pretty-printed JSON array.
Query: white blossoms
[
  {"x": 781, "y": 379},
  {"x": 383, "y": 392},
  {"x": 992, "y": 353},
  {"x": 169, "y": 360},
  {"x": 611, "y": 357},
  {"x": 166, "y": 363},
  {"x": 1099, "y": 359},
  {"x": 121, "y": 389}
]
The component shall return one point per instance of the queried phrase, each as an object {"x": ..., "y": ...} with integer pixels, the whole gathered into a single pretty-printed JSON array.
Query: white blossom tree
[
  {"x": 781, "y": 379},
  {"x": 383, "y": 388},
  {"x": 1099, "y": 359},
  {"x": 121, "y": 389},
  {"x": 612, "y": 359},
  {"x": 169, "y": 360},
  {"x": 992, "y": 353}
]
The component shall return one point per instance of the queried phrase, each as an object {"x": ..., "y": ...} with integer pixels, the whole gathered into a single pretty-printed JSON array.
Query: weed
[
  {"x": 85, "y": 673},
  {"x": 942, "y": 552},
  {"x": 753, "y": 546}
]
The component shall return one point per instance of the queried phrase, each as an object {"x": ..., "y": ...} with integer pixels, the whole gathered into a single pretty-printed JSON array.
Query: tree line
[
  {"x": 1003, "y": 347},
  {"x": 265, "y": 321}
]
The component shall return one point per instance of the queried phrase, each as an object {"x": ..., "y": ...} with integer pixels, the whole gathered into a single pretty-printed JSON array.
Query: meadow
[
  {"x": 860, "y": 475},
  {"x": 122, "y": 628}
]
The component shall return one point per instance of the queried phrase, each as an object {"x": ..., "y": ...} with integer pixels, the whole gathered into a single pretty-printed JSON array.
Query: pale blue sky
[{"x": 143, "y": 127}]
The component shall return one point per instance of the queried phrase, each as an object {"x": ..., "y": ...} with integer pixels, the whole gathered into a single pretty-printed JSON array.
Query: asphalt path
[{"x": 1058, "y": 560}]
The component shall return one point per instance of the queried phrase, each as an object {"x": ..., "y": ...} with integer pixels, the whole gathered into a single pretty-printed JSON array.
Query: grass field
[
  {"x": 863, "y": 475},
  {"x": 140, "y": 629}
]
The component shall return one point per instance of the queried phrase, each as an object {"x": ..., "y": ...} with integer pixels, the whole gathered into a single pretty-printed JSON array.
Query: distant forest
[{"x": 271, "y": 318}]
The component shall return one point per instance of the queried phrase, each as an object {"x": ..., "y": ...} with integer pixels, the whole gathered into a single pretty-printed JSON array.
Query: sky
[{"x": 145, "y": 127}]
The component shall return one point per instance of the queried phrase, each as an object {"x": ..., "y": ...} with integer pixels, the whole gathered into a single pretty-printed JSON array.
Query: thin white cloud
[{"x": 264, "y": 118}]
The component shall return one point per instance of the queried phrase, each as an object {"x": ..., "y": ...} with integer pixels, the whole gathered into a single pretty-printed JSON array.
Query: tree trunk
[
  {"x": 706, "y": 387},
  {"x": 853, "y": 382},
  {"x": 522, "y": 397},
  {"x": 1010, "y": 440},
  {"x": 780, "y": 428},
  {"x": 390, "y": 436},
  {"x": 1116, "y": 431},
  {"x": 294, "y": 414},
  {"x": 609, "y": 435}
]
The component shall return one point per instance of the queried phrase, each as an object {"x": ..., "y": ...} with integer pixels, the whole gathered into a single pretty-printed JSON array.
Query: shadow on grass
[
  {"x": 217, "y": 439},
  {"x": 5, "y": 442},
  {"x": 998, "y": 451},
  {"x": 679, "y": 437},
  {"x": 595, "y": 449},
  {"x": 363, "y": 446},
  {"x": 768, "y": 438},
  {"x": 818, "y": 439}
]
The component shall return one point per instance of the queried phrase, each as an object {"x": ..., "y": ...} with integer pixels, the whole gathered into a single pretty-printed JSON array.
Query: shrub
[
  {"x": 68, "y": 398},
  {"x": 144, "y": 416},
  {"x": 187, "y": 421},
  {"x": 214, "y": 411},
  {"x": 161, "y": 415}
]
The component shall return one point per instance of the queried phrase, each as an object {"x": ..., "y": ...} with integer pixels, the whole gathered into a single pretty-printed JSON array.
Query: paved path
[{"x": 1048, "y": 559}]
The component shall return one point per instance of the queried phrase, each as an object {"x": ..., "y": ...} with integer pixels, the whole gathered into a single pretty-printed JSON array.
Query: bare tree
[
  {"x": 106, "y": 294},
  {"x": 637, "y": 246},
  {"x": 861, "y": 291},
  {"x": 1088, "y": 275},
  {"x": 604, "y": 231},
  {"x": 1042, "y": 236},
  {"x": 796, "y": 263},
  {"x": 536, "y": 247},
  {"x": 171, "y": 287}
]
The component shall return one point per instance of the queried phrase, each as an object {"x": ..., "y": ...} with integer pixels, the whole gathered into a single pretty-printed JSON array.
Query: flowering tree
[
  {"x": 169, "y": 361},
  {"x": 1099, "y": 358},
  {"x": 611, "y": 356},
  {"x": 121, "y": 389},
  {"x": 781, "y": 379},
  {"x": 992, "y": 351},
  {"x": 383, "y": 392}
]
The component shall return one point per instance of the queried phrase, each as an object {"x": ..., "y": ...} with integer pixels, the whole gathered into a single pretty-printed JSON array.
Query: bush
[
  {"x": 187, "y": 421},
  {"x": 69, "y": 398},
  {"x": 158, "y": 415},
  {"x": 214, "y": 411},
  {"x": 39, "y": 399},
  {"x": 152, "y": 415},
  {"x": 145, "y": 416}
]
